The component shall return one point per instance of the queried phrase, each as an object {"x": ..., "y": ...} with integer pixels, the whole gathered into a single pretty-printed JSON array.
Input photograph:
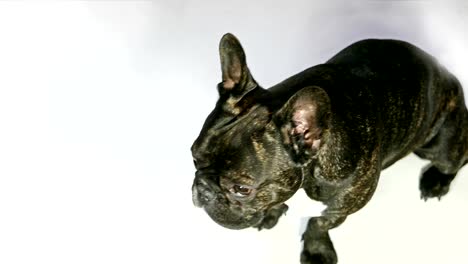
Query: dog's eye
[{"x": 241, "y": 191}]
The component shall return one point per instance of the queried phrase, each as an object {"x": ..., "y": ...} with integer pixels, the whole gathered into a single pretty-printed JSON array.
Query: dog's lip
[{"x": 195, "y": 200}]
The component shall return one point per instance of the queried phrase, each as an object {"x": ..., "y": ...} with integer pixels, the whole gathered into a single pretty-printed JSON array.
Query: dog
[{"x": 330, "y": 130}]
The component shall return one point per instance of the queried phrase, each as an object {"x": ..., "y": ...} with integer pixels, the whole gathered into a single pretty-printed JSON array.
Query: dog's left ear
[
  {"x": 302, "y": 121},
  {"x": 237, "y": 79}
]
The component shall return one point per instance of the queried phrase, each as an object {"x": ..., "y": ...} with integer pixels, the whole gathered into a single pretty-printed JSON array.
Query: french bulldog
[{"x": 330, "y": 130}]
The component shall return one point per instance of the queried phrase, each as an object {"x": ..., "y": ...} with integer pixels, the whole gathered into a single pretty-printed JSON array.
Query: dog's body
[{"x": 330, "y": 129}]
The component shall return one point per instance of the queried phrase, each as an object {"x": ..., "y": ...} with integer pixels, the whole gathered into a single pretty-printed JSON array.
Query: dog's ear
[
  {"x": 237, "y": 79},
  {"x": 302, "y": 121}
]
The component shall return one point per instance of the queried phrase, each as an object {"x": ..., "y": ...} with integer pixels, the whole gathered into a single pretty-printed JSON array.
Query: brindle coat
[{"x": 331, "y": 130}]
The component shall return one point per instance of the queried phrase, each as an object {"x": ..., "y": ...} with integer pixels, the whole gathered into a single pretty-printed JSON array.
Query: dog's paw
[
  {"x": 434, "y": 183},
  {"x": 318, "y": 252},
  {"x": 272, "y": 216}
]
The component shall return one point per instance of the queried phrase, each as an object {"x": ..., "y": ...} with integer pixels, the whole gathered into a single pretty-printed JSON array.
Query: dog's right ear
[
  {"x": 302, "y": 121},
  {"x": 237, "y": 79}
]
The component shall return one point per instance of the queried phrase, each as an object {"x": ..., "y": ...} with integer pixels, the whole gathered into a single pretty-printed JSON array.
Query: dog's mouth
[
  {"x": 231, "y": 218},
  {"x": 223, "y": 212},
  {"x": 195, "y": 198},
  {"x": 204, "y": 191}
]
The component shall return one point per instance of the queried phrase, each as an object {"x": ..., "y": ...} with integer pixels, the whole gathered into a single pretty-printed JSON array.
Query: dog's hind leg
[{"x": 447, "y": 151}]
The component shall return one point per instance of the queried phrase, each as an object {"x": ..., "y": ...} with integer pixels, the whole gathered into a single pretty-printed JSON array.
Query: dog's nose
[{"x": 201, "y": 193}]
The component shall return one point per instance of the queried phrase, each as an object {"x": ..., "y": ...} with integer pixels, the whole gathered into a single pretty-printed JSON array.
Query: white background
[{"x": 100, "y": 102}]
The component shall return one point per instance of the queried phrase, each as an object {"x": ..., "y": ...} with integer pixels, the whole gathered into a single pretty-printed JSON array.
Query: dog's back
[{"x": 388, "y": 85}]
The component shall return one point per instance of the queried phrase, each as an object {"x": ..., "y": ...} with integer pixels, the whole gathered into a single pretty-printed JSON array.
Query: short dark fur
[{"x": 331, "y": 130}]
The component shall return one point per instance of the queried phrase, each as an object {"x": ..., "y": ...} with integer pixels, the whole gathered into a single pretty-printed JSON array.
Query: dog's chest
[{"x": 317, "y": 188}]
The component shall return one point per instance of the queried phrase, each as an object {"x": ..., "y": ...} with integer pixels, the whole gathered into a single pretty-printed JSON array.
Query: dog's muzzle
[{"x": 202, "y": 192}]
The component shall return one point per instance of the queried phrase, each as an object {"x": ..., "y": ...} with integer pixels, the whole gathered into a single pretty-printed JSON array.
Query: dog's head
[{"x": 252, "y": 147}]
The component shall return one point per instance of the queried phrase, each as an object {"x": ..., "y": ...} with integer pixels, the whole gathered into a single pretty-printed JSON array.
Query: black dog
[{"x": 331, "y": 130}]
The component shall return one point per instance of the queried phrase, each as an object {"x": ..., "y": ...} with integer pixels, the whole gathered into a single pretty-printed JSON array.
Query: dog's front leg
[{"x": 318, "y": 247}]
